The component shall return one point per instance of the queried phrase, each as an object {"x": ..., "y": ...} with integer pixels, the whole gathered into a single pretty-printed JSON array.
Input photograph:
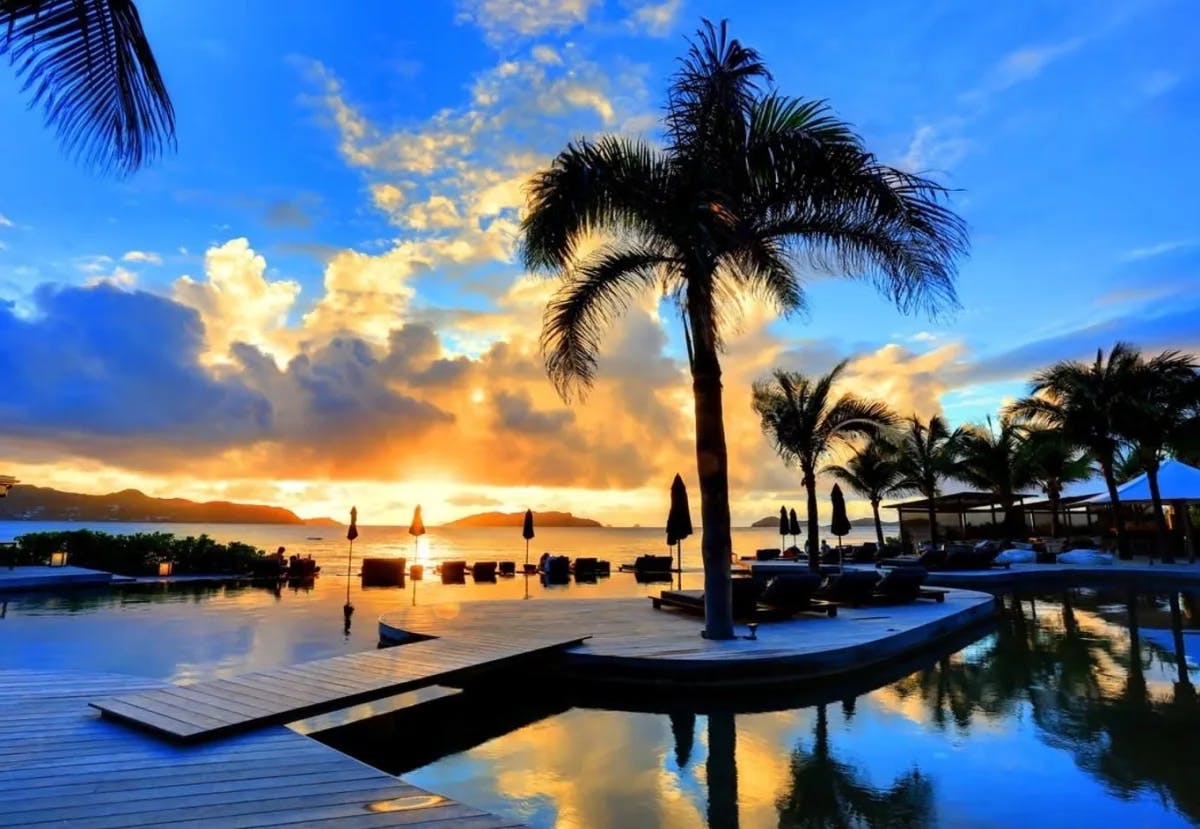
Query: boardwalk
[
  {"x": 224, "y": 706},
  {"x": 62, "y": 765},
  {"x": 632, "y": 640}
]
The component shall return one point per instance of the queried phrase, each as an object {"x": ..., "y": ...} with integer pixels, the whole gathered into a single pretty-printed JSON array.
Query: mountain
[
  {"x": 769, "y": 521},
  {"x": 516, "y": 519},
  {"x": 35, "y": 503}
]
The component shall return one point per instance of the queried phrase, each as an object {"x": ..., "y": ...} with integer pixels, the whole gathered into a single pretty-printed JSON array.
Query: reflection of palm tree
[
  {"x": 89, "y": 63},
  {"x": 828, "y": 794},
  {"x": 749, "y": 185},
  {"x": 721, "y": 771},
  {"x": 683, "y": 728}
]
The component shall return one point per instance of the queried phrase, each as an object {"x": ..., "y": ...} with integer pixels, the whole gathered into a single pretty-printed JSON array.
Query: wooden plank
[{"x": 316, "y": 687}]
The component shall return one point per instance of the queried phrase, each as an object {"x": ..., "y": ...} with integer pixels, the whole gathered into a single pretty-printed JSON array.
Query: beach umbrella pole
[{"x": 349, "y": 571}]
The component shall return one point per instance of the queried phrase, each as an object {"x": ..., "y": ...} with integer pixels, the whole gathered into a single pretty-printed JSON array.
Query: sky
[{"x": 315, "y": 300}]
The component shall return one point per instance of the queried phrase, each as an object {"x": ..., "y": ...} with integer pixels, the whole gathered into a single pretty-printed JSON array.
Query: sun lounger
[
  {"x": 558, "y": 570},
  {"x": 603, "y": 568},
  {"x": 484, "y": 571},
  {"x": 751, "y": 600},
  {"x": 585, "y": 569},
  {"x": 849, "y": 587},
  {"x": 454, "y": 572},
  {"x": 507, "y": 568},
  {"x": 902, "y": 585},
  {"x": 383, "y": 572}
]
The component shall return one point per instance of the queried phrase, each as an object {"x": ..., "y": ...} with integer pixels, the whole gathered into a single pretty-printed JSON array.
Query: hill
[
  {"x": 516, "y": 519},
  {"x": 35, "y": 503}
]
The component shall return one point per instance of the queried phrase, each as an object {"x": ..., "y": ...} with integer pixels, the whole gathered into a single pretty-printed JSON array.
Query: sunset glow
[{"x": 317, "y": 300}]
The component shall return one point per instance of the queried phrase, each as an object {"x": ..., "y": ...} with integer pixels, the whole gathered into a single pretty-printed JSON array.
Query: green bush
[{"x": 140, "y": 553}]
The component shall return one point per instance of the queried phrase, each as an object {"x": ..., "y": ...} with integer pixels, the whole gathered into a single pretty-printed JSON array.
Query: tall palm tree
[
  {"x": 1161, "y": 409},
  {"x": 992, "y": 459},
  {"x": 806, "y": 423},
  {"x": 873, "y": 471},
  {"x": 90, "y": 66},
  {"x": 927, "y": 453},
  {"x": 1053, "y": 463},
  {"x": 749, "y": 185},
  {"x": 1086, "y": 402}
]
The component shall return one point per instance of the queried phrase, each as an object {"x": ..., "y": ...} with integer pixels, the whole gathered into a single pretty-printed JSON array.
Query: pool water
[{"x": 1077, "y": 709}]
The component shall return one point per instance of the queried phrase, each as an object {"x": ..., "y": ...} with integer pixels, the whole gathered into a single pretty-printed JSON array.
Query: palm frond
[
  {"x": 612, "y": 185},
  {"x": 578, "y": 315},
  {"x": 91, "y": 68}
]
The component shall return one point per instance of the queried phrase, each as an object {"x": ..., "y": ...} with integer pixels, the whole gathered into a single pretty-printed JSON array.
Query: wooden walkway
[
  {"x": 224, "y": 706},
  {"x": 62, "y": 765}
]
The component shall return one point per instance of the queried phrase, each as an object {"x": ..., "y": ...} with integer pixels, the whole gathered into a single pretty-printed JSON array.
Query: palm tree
[
  {"x": 873, "y": 471},
  {"x": 993, "y": 460},
  {"x": 90, "y": 66},
  {"x": 1053, "y": 463},
  {"x": 926, "y": 453},
  {"x": 806, "y": 423},
  {"x": 749, "y": 185},
  {"x": 1161, "y": 411},
  {"x": 1086, "y": 403}
]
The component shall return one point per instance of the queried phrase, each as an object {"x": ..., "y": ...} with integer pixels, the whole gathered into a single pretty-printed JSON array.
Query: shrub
[{"x": 138, "y": 554}]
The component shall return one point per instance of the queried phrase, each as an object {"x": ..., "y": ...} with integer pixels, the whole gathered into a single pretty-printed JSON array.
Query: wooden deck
[
  {"x": 63, "y": 765},
  {"x": 631, "y": 641},
  {"x": 224, "y": 706}
]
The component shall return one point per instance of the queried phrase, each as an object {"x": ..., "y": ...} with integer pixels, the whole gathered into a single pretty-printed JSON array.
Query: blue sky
[{"x": 371, "y": 157}]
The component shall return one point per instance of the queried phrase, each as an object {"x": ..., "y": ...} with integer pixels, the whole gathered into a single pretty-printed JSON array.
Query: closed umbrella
[
  {"x": 840, "y": 525},
  {"x": 351, "y": 534},
  {"x": 527, "y": 534},
  {"x": 416, "y": 529},
  {"x": 784, "y": 528},
  {"x": 679, "y": 521},
  {"x": 793, "y": 526}
]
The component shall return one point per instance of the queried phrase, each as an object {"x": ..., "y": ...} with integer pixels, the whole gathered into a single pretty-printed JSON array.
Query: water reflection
[{"x": 1069, "y": 712}]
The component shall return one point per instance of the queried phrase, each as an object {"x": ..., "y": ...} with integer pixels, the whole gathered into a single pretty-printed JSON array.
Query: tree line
[{"x": 1118, "y": 417}]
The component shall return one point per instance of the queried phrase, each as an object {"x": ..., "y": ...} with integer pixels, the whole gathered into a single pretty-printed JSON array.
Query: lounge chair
[
  {"x": 781, "y": 598},
  {"x": 454, "y": 572},
  {"x": 849, "y": 587},
  {"x": 383, "y": 572},
  {"x": 585, "y": 569},
  {"x": 603, "y": 568},
  {"x": 902, "y": 585},
  {"x": 507, "y": 568},
  {"x": 557, "y": 571},
  {"x": 484, "y": 571},
  {"x": 650, "y": 568}
]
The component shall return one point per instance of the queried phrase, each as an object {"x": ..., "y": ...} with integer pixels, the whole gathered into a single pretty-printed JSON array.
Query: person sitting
[{"x": 825, "y": 548}]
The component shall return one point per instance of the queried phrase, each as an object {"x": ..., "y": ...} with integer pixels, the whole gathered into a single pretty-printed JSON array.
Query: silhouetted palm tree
[
  {"x": 927, "y": 453},
  {"x": 806, "y": 422},
  {"x": 1054, "y": 462},
  {"x": 1087, "y": 403},
  {"x": 873, "y": 471},
  {"x": 993, "y": 460},
  {"x": 89, "y": 65},
  {"x": 749, "y": 185},
  {"x": 1160, "y": 411}
]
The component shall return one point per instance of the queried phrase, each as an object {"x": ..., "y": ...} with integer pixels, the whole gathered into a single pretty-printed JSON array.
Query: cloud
[
  {"x": 504, "y": 19},
  {"x": 1159, "y": 83},
  {"x": 5, "y": 221},
  {"x": 236, "y": 303},
  {"x": 1022, "y": 65},
  {"x": 142, "y": 256},
  {"x": 931, "y": 149},
  {"x": 654, "y": 18},
  {"x": 281, "y": 214},
  {"x": 1151, "y": 251}
]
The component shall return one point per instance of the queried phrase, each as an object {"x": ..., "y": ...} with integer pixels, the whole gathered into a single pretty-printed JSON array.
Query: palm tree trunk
[
  {"x": 814, "y": 521},
  {"x": 878, "y": 524},
  {"x": 1160, "y": 519},
  {"x": 933, "y": 527},
  {"x": 1110, "y": 481},
  {"x": 1052, "y": 494},
  {"x": 712, "y": 467}
]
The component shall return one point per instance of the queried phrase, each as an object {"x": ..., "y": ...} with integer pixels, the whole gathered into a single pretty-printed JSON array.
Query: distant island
[
  {"x": 516, "y": 519},
  {"x": 35, "y": 503}
]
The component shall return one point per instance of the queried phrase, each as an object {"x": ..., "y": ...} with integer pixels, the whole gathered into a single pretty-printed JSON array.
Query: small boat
[{"x": 314, "y": 538}]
